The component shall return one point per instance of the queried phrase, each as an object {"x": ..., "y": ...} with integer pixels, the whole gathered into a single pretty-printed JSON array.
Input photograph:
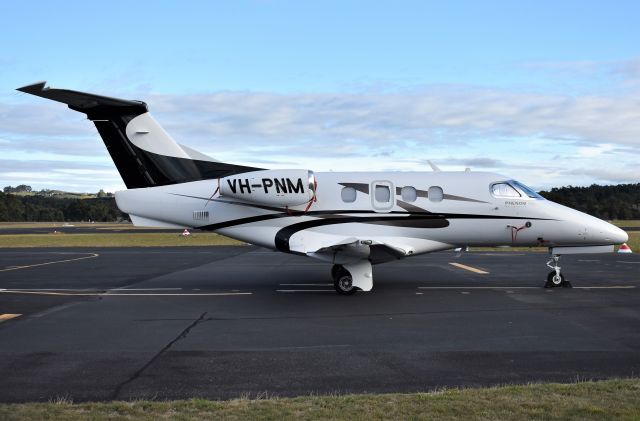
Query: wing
[{"x": 377, "y": 249}]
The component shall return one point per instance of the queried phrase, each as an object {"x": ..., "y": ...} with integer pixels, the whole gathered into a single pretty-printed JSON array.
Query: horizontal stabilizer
[{"x": 79, "y": 101}]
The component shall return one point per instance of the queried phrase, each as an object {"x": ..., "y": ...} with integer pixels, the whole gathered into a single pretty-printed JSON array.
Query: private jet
[{"x": 353, "y": 220}]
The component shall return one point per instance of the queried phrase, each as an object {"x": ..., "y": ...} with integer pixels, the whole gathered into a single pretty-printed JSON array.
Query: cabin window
[
  {"x": 436, "y": 194},
  {"x": 383, "y": 194},
  {"x": 504, "y": 190},
  {"x": 348, "y": 194},
  {"x": 409, "y": 194}
]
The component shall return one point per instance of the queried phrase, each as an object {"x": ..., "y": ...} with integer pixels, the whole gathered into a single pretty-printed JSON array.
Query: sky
[{"x": 546, "y": 92}]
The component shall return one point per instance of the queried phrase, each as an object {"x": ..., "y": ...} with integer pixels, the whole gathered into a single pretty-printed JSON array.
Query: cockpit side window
[
  {"x": 526, "y": 190},
  {"x": 504, "y": 190}
]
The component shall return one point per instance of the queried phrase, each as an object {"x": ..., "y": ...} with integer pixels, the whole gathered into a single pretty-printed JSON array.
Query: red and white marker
[
  {"x": 186, "y": 233},
  {"x": 624, "y": 249}
]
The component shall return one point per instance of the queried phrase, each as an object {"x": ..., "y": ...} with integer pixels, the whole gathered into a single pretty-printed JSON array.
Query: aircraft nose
[
  {"x": 618, "y": 235},
  {"x": 610, "y": 234}
]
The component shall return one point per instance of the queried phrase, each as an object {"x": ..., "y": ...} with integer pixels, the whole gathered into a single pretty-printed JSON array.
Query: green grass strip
[
  {"x": 116, "y": 240},
  {"x": 626, "y": 222},
  {"x": 609, "y": 399}
]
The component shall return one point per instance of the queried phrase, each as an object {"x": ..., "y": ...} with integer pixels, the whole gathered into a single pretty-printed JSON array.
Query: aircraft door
[{"x": 382, "y": 196}]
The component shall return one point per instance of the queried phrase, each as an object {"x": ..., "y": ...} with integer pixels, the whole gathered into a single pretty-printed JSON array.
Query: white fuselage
[{"x": 466, "y": 213}]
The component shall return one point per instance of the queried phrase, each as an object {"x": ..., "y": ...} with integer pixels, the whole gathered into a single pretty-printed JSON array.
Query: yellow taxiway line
[
  {"x": 92, "y": 256},
  {"x": 8, "y": 316},
  {"x": 469, "y": 268}
]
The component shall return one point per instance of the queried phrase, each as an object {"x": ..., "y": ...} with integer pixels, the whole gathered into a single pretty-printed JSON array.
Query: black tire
[
  {"x": 555, "y": 281},
  {"x": 334, "y": 271},
  {"x": 343, "y": 282}
]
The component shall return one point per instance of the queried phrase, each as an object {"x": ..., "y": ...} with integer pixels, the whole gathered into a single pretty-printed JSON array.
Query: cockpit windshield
[
  {"x": 513, "y": 189},
  {"x": 526, "y": 190}
]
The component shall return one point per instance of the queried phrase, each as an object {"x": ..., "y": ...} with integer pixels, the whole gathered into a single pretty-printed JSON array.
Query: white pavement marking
[
  {"x": 631, "y": 263},
  {"x": 92, "y": 256},
  {"x": 305, "y": 285},
  {"x": 89, "y": 289},
  {"x": 479, "y": 287},
  {"x": 145, "y": 289},
  {"x": 509, "y": 288},
  {"x": 608, "y": 287},
  {"x": 116, "y": 294},
  {"x": 305, "y": 290}
]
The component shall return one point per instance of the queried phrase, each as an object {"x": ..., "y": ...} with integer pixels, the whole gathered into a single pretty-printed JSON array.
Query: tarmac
[{"x": 224, "y": 322}]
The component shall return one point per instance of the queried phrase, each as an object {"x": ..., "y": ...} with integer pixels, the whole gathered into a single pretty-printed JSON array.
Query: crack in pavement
[{"x": 138, "y": 373}]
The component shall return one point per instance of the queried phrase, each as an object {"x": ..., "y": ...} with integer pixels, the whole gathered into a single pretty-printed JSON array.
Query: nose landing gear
[{"x": 555, "y": 279}]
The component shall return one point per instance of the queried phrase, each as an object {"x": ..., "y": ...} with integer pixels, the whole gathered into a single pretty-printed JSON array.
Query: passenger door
[{"x": 382, "y": 196}]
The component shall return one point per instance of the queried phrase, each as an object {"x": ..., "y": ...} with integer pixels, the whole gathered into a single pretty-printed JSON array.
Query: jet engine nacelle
[{"x": 271, "y": 187}]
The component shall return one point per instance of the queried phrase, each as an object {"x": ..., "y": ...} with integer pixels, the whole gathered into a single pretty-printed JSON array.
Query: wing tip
[{"x": 34, "y": 88}]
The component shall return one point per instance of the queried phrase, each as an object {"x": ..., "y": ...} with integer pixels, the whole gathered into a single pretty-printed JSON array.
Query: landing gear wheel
[
  {"x": 555, "y": 280},
  {"x": 334, "y": 271},
  {"x": 342, "y": 280}
]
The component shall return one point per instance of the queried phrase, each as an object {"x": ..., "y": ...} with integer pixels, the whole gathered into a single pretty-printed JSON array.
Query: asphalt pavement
[{"x": 223, "y": 322}]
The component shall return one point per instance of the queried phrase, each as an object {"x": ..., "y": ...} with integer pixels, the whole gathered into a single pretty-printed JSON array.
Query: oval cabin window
[
  {"x": 409, "y": 194},
  {"x": 348, "y": 194},
  {"x": 435, "y": 194}
]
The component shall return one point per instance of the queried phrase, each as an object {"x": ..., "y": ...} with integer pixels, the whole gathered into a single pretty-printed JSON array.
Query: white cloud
[
  {"x": 593, "y": 151},
  {"x": 480, "y": 127},
  {"x": 436, "y": 115}
]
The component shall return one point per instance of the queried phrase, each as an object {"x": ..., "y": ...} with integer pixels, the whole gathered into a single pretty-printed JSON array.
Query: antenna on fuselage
[{"x": 433, "y": 166}]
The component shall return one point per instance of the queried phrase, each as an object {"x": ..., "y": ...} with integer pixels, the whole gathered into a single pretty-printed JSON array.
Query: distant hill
[
  {"x": 25, "y": 190},
  {"x": 18, "y": 204},
  {"x": 21, "y": 204}
]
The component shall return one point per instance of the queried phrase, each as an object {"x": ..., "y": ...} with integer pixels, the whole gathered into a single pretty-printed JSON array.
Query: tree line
[
  {"x": 14, "y": 208},
  {"x": 605, "y": 202},
  {"x": 621, "y": 201}
]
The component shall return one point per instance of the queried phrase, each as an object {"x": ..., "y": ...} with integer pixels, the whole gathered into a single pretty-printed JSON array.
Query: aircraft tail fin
[{"x": 144, "y": 154}]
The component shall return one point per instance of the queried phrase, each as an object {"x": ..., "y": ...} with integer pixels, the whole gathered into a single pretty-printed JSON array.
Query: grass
[
  {"x": 53, "y": 225},
  {"x": 608, "y": 399},
  {"x": 626, "y": 223},
  {"x": 634, "y": 241},
  {"x": 115, "y": 240}
]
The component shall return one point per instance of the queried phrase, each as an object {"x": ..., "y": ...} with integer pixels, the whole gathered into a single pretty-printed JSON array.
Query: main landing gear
[
  {"x": 555, "y": 279},
  {"x": 349, "y": 278},
  {"x": 342, "y": 280}
]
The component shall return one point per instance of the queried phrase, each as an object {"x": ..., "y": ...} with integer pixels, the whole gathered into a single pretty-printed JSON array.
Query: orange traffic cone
[
  {"x": 186, "y": 233},
  {"x": 624, "y": 249}
]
